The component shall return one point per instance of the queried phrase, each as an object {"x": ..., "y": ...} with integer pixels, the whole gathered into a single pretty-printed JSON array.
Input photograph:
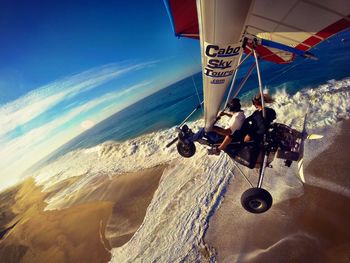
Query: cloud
[
  {"x": 42, "y": 133},
  {"x": 38, "y": 101}
]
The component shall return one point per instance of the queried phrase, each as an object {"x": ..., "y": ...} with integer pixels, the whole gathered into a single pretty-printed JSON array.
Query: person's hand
[
  {"x": 247, "y": 138},
  {"x": 218, "y": 117}
]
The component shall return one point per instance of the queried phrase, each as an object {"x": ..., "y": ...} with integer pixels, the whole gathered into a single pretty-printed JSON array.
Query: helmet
[
  {"x": 234, "y": 105},
  {"x": 257, "y": 99}
]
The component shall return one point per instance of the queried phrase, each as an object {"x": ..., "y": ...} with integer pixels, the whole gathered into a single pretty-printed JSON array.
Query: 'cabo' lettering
[{"x": 215, "y": 51}]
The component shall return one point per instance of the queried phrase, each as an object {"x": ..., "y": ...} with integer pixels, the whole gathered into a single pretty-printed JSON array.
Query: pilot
[{"x": 237, "y": 119}]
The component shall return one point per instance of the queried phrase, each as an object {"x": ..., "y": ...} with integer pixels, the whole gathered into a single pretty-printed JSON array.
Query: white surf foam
[
  {"x": 189, "y": 193},
  {"x": 190, "y": 189}
]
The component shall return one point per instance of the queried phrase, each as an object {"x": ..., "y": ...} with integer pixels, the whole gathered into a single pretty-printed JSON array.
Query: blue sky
[
  {"x": 67, "y": 65},
  {"x": 42, "y": 41}
]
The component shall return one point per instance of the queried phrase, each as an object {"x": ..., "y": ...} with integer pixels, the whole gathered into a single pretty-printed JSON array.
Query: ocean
[
  {"x": 171, "y": 105},
  {"x": 185, "y": 208}
]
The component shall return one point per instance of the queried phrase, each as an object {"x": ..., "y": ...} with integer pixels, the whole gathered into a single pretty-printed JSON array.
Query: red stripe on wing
[
  {"x": 185, "y": 20},
  {"x": 325, "y": 33}
]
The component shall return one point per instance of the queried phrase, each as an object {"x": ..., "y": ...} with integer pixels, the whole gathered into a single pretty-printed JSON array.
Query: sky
[
  {"x": 67, "y": 65},
  {"x": 42, "y": 41}
]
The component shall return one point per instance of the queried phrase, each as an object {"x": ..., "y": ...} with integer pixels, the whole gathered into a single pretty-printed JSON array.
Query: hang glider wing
[
  {"x": 278, "y": 31},
  {"x": 300, "y": 25}
]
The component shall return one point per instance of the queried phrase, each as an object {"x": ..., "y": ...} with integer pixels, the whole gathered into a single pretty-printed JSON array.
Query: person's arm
[
  {"x": 226, "y": 142},
  {"x": 224, "y": 113},
  {"x": 222, "y": 131},
  {"x": 250, "y": 128}
]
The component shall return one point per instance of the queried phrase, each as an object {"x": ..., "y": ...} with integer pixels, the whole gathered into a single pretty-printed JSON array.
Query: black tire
[
  {"x": 256, "y": 200},
  {"x": 186, "y": 150}
]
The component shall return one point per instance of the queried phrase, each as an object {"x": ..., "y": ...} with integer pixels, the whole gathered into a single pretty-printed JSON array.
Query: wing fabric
[
  {"x": 298, "y": 24},
  {"x": 220, "y": 49},
  {"x": 295, "y": 23},
  {"x": 183, "y": 15}
]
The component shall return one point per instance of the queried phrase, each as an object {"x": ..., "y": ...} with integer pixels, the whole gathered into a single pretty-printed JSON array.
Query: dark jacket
[{"x": 255, "y": 125}]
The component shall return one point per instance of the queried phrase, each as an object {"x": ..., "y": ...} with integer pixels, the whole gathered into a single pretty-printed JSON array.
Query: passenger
[
  {"x": 235, "y": 123},
  {"x": 256, "y": 125}
]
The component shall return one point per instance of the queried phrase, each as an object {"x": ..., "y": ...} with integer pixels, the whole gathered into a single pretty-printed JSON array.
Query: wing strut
[
  {"x": 234, "y": 79},
  {"x": 265, "y": 153}
]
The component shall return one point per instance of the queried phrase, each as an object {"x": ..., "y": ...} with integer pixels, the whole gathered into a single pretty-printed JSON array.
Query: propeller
[
  {"x": 178, "y": 129},
  {"x": 304, "y": 137},
  {"x": 301, "y": 152},
  {"x": 314, "y": 136},
  {"x": 172, "y": 142}
]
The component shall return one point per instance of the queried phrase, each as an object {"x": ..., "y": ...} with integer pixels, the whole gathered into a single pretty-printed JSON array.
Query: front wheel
[
  {"x": 186, "y": 150},
  {"x": 256, "y": 200}
]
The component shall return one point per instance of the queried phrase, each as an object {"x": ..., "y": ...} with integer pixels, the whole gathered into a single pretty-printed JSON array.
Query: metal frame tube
[
  {"x": 262, "y": 170},
  {"x": 244, "y": 80},
  {"x": 233, "y": 81},
  {"x": 260, "y": 83},
  {"x": 245, "y": 58},
  {"x": 240, "y": 62},
  {"x": 263, "y": 166},
  {"x": 189, "y": 116}
]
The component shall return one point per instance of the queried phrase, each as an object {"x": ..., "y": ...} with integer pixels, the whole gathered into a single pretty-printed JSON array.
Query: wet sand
[
  {"x": 99, "y": 218},
  {"x": 311, "y": 228}
]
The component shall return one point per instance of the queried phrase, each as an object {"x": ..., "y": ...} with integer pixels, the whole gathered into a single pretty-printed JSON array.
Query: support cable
[
  {"x": 240, "y": 62},
  {"x": 245, "y": 177},
  {"x": 199, "y": 99},
  {"x": 244, "y": 80}
]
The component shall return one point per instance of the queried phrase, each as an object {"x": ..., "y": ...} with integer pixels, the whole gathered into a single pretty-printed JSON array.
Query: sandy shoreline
[
  {"x": 85, "y": 225},
  {"x": 95, "y": 220},
  {"x": 309, "y": 228}
]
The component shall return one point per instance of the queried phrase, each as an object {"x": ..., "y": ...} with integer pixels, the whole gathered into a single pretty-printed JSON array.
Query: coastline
[
  {"x": 311, "y": 227},
  {"x": 112, "y": 208},
  {"x": 86, "y": 230}
]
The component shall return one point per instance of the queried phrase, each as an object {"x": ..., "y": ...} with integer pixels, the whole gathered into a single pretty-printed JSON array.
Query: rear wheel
[
  {"x": 186, "y": 150},
  {"x": 256, "y": 200}
]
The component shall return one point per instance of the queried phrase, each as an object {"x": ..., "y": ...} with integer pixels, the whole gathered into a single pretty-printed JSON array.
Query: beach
[
  {"x": 312, "y": 227},
  {"x": 38, "y": 225},
  {"x": 308, "y": 225},
  {"x": 96, "y": 219},
  {"x": 87, "y": 224}
]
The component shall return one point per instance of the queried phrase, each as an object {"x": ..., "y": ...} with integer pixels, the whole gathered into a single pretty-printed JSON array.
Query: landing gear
[
  {"x": 185, "y": 146},
  {"x": 186, "y": 150},
  {"x": 256, "y": 200}
]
